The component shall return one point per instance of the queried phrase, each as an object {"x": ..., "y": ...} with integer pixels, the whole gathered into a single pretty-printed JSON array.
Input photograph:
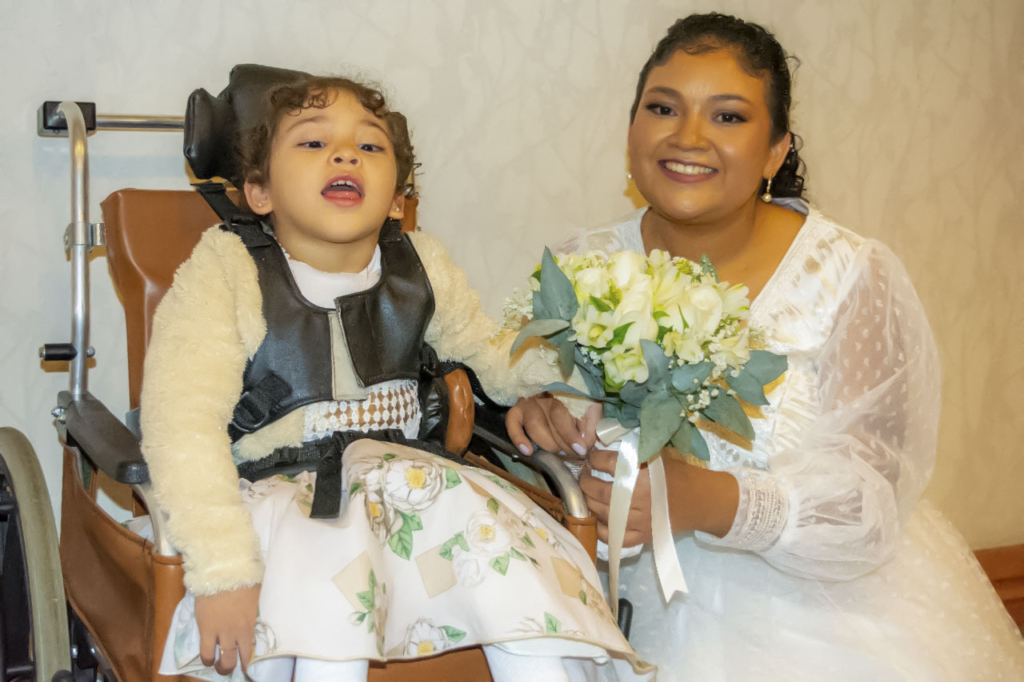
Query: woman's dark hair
[
  {"x": 760, "y": 55},
  {"x": 320, "y": 92}
]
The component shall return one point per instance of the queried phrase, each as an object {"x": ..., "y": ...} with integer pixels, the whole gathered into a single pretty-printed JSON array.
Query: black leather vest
[{"x": 384, "y": 328}]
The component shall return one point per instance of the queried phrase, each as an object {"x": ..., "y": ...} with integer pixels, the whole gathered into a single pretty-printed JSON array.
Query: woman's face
[{"x": 701, "y": 139}]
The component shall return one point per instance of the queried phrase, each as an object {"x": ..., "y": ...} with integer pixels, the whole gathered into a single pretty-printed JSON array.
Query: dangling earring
[
  {"x": 629, "y": 176},
  {"x": 767, "y": 196}
]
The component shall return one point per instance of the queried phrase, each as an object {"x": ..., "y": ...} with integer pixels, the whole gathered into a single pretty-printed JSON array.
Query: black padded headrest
[{"x": 213, "y": 124}]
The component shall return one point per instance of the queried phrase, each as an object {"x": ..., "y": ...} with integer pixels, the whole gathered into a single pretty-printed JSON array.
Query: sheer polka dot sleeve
[{"x": 856, "y": 472}]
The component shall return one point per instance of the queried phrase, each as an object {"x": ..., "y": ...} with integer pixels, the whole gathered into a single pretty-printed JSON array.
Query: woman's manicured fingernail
[
  {"x": 580, "y": 450},
  {"x": 525, "y": 449}
]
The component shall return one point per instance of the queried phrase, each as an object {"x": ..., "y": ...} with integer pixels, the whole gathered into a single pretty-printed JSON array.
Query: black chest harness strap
[
  {"x": 383, "y": 329},
  {"x": 324, "y": 456}
]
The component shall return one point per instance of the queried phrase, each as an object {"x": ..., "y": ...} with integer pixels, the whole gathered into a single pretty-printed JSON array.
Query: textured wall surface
[{"x": 910, "y": 111}]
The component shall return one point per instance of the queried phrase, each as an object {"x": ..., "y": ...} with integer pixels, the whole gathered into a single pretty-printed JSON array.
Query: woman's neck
[{"x": 722, "y": 239}]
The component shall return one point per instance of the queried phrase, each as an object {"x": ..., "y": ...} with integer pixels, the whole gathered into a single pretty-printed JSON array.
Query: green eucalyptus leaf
[
  {"x": 538, "y": 328},
  {"x": 659, "y": 419},
  {"x": 555, "y": 289},
  {"x": 540, "y": 311},
  {"x": 566, "y": 357},
  {"x": 748, "y": 387},
  {"x": 700, "y": 446},
  {"x": 682, "y": 440},
  {"x": 726, "y": 410},
  {"x": 690, "y": 378},
  {"x": 562, "y": 387},
  {"x": 657, "y": 363},
  {"x": 594, "y": 385},
  {"x": 765, "y": 366},
  {"x": 634, "y": 393},
  {"x": 705, "y": 264}
]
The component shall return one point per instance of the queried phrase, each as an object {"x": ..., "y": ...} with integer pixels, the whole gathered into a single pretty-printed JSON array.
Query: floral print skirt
[{"x": 426, "y": 555}]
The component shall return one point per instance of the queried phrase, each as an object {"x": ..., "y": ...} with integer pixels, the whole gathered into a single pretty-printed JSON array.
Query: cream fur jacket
[{"x": 204, "y": 331}]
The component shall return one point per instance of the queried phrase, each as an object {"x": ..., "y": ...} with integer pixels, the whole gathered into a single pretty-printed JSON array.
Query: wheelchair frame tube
[
  {"x": 567, "y": 486},
  {"x": 77, "y": 241},
  {"x": 139, "y": 122}
]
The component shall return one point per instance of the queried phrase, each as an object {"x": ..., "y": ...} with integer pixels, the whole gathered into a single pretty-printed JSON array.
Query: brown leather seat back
[{"x": 149, "y": 234}]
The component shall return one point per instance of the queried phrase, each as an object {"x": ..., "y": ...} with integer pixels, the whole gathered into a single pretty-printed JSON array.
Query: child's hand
[
  {"x": 547, "y": 422},
  {"x": 229, "y": 619}
]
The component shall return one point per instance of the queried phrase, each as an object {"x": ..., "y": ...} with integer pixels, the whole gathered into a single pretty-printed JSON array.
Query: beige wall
[{"x": 911, "y": 111}]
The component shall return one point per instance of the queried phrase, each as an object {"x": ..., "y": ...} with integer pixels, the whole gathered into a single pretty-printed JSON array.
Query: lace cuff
[{"x": 761, "y": 515}]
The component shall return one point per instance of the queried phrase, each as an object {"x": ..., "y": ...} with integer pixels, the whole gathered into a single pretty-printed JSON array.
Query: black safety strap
[
  {"x": 255, "y": 405},
  {"x": 324, "y": 456},
  {"x": 216, "y": 195}
]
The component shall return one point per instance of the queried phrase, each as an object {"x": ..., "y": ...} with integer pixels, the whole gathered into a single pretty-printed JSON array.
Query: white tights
[{"x": 505, "y": 667}]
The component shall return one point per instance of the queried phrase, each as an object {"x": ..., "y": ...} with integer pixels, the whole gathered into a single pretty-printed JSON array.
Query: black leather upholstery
[{"x": 212, "y": 124}]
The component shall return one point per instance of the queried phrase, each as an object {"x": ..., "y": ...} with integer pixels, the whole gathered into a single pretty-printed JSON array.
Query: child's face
[{"x": 332, "y": 181}]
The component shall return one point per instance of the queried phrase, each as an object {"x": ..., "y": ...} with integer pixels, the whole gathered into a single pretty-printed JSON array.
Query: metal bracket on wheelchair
[
  {"x": 89, "y": 235},
  {"x": 548, "y": 463}
]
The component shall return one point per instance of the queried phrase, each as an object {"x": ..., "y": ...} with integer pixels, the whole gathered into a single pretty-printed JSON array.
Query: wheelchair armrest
[
  {"x": 103, "y": 439},
  {"x": 566, "y": 485}
]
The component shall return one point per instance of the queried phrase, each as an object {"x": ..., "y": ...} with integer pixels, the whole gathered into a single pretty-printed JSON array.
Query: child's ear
[
  {"x": 258, "y": 198},
  {"x": 397, "y": 207}
]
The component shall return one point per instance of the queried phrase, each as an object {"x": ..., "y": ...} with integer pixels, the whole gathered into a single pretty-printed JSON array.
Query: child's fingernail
[
  {"x": 525, "y": 449},
  {"x": 580, "y": 450}
]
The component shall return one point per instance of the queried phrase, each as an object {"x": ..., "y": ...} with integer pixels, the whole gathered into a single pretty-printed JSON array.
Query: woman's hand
[
  {"x": 699, "y": 499},
  {"x": 545, "y": 420},
  {"x": 229, "y": 619}
]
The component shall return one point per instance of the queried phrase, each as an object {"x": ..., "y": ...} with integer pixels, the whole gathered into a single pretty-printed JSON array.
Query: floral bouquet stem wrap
[{"x": 664, "y": 346}]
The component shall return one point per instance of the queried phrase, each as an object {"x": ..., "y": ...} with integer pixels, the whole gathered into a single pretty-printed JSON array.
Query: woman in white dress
[{"x": 809, "y": 556}]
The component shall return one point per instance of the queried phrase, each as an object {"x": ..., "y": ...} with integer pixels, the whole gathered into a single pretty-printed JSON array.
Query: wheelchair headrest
[{"x": 213, "y": 124}]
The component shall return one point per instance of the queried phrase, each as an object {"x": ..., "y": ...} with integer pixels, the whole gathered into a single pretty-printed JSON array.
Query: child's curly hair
[{"x": 319, "y": 92}]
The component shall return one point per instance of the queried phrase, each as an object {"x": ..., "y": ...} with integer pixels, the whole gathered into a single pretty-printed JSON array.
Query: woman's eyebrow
[
  {"x": 728, "y": 96},
  {"x": 663, "y": 90}
]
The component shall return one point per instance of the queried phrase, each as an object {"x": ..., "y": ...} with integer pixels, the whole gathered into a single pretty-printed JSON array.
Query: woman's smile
[{"x": 681, "y": 171}]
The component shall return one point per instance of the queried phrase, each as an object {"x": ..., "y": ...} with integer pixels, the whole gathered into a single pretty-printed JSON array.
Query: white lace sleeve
[{"x": 832, "y": 506}]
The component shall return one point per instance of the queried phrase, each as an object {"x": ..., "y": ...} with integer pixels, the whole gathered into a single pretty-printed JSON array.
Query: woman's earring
[
  {"x": 629, "y": 176},
  {"x": 767, "y": 196}
]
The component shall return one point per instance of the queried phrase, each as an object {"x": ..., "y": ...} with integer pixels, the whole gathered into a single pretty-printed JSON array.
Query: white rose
[
  {"x": 733, "y": 351},
  {"x": 486, "y": 536},
  {"x": 643, "y": 326},
  {"x": 591, "y": 282},
  {"x": 620, "y": 367},
  {"x": 412, "y": 485},
  {"x": 423, "y": 638},
  {"x": 734, "y": 300},
  {"x": 470, "y": 570},
  {"x": 683, "y": 346},
  {"x": 593, "y": 327},
  {"x": 623, "y": 266},
  {"x": 704, "y": 313}
]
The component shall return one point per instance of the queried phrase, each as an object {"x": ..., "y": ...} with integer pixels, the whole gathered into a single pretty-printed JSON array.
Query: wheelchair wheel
[{"x": 34, "y": 644}]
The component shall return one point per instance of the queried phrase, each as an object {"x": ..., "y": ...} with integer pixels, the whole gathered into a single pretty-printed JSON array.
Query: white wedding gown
[{"x": 834, "y": 569}]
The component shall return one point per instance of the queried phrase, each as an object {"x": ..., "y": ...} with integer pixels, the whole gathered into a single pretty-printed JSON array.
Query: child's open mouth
[{"x": 344, "y": 191}]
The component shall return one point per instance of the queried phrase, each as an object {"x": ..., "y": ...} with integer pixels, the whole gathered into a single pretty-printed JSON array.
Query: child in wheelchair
[{"x": 280, "y": 412}]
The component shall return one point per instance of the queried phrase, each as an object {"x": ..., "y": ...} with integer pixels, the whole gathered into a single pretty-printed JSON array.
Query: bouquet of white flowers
[{"x": 662, "y": 343}]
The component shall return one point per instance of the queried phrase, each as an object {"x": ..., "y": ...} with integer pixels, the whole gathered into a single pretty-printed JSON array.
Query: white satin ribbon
[
  {"x": 627, "y": 468},
  {"x": 666, "y": 559},
  {"x": 670, "y": 574}
]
